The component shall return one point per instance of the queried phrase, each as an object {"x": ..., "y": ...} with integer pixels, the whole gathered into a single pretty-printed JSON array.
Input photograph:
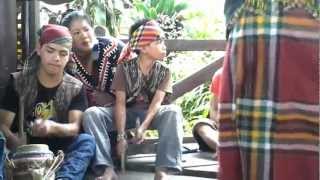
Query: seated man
[
  {"x": 53, "y": 102},
  {"x": 205, "y": 130},
  {"x": 140, "y": 85}
]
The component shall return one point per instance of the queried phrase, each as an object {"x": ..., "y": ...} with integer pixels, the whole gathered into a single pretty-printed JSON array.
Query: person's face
[
  {"x": 82, "y": 35},
  {"x": 156, "y": 49},
  {"x": 54, "y": 58}
]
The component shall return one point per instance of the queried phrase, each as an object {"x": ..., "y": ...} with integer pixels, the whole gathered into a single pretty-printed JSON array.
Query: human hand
[
  {"x": 121, "y": 147},
  {"x": 139, "y": 135},
  {"x": 41, "y": 128}
]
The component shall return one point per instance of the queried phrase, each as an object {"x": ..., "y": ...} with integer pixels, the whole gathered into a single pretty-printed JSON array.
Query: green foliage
[
  {"x": 152, "y": 8},
  {"x": 166, "y": 12},
  {"x": 102, "y": 12},
  {"x": 195, "y": 105},
  {"x": 207, "y": 27}
]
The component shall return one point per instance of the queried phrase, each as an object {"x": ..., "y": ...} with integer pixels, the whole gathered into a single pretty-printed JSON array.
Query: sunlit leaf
[
  {"x": 100, "y": 15},
  {"x": 181, "y": 6}
]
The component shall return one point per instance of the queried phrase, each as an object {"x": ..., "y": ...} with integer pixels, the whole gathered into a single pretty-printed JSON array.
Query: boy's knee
[
  {"x": 91, "y": 111},
  {"x": 173, "y": 108},
  {"x": 87, "y": 140},
  {"x": 90, "y": 115},
  {"x": 174, "y": 112}
]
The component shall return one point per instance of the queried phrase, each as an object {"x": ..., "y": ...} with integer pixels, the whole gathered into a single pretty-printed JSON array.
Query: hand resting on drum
[{"x": 41, "y": 128}]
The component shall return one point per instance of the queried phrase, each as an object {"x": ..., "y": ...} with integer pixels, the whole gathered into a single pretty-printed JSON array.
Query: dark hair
[{"x": 73, "y": 15}]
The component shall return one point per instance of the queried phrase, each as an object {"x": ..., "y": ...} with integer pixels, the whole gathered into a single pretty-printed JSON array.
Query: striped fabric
[
  {"x": 269, "y": 100},
  {"x": 145, "y": 34},
  {"x": 142, "y": 36}
]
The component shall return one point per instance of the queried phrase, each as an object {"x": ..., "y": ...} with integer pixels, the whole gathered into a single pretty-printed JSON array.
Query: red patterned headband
[
  {"x": 55, "y": 34},
  {"x": 142, "y": 36}
]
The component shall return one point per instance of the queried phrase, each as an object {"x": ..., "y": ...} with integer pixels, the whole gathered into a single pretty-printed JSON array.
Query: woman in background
[{"x": 94, "y": 60}]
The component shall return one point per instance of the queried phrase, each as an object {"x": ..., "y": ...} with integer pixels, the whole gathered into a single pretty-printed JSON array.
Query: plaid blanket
[{"x": 269, "y": 100}]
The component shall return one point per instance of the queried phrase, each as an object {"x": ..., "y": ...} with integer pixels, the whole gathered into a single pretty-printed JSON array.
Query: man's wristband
[{"x": 121, "y": 136}]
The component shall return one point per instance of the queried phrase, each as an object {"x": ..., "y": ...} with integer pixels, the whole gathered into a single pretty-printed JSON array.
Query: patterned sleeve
[
  {"x": 118, "y": 83},
  {"x": 166, "y": 84}
]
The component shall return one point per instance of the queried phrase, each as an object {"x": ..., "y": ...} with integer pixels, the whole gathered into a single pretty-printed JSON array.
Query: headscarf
[
  {"x": 49, "y": 34},
  {"x": 142, "y": 36},
  {"x": 55, "y": 34}
]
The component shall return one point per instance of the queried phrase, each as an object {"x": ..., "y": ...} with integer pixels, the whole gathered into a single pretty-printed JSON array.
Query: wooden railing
[{"x": 203, "y": 75}]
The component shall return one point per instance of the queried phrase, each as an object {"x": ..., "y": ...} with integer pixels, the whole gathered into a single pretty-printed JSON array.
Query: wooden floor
[
  {"x": 133, "y": 175},
  {"x": 196, "y": 164}
]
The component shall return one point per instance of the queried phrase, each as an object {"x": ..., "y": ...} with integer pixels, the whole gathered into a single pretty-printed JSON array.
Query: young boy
[
  {"x": 205, "y": 130},
  {"x": 53, "y": 102},
  {"x": 140, "y": 86}
]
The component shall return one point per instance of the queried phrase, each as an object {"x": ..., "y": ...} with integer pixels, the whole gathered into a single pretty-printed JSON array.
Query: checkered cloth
[{"x": 269, "y": 99}]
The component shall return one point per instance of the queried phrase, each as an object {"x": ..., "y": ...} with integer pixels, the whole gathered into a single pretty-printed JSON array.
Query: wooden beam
[
  {"x": 189, "y": 83},
  {"x": 56, "y": 1},
  {"x": 195, "y": 45}
]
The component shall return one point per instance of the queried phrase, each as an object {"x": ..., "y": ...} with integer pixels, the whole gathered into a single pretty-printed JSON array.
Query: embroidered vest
[{"x": 26, "y": 85}]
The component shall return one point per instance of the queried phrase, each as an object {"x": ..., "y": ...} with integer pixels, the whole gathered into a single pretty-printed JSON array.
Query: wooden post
[
  {"x": 8, "y": 41},
  {"x": 30, "y": 26}
]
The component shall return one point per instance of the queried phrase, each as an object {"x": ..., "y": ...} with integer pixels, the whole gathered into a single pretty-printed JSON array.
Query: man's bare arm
[
  {"x": 68, "y": 129},
  {"x": 153, "y": 108},
  {"x": 120, "y": 111},
  {"x": 6, "y": 120}
]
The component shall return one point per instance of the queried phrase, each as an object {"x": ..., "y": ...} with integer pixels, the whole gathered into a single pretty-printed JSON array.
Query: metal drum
[{"x": 33, "y": 162}]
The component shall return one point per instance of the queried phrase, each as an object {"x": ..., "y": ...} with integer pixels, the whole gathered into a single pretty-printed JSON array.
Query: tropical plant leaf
[
  {"x": 140, "y": 6},
  {"x": 153, "y": 13},
  {"x": 181, "y": 6},
  {"x": 161, "y": 6},
  {"x": 169, "y": 6},
  {"x": 153, "y": 3},
  {"x": 100, "y": 15},
  {"x": 166, "y": 7}
]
